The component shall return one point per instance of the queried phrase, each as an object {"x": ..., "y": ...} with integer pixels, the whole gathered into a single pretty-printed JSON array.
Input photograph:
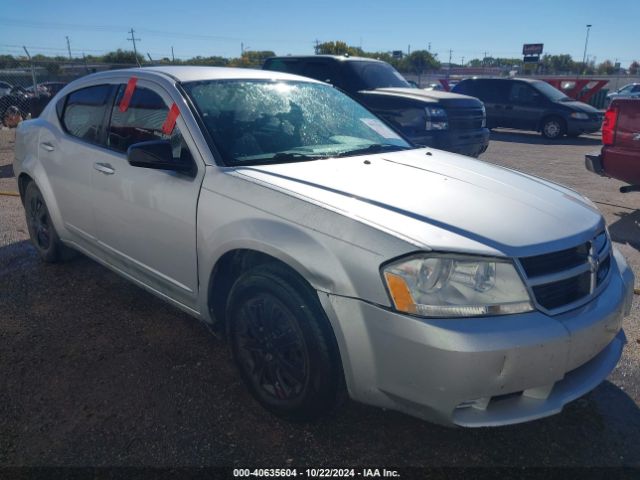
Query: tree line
[{"x": 418, "y": 61}]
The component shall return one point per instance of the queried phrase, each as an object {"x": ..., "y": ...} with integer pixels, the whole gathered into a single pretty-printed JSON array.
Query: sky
[{"x": 467, "y": 27}]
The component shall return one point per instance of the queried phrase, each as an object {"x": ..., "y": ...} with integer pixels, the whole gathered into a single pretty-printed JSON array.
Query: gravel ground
[{"x": 94, "y": 371}]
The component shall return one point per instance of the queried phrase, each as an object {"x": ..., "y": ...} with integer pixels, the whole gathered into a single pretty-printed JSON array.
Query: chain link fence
[{"x": 27, "y": 86}]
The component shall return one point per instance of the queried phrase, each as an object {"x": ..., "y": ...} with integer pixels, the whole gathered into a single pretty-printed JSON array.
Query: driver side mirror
[{"x": 156, "y": 154}]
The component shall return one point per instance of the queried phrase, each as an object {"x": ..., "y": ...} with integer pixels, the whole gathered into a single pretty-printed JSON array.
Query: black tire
[
  {"x": 41, "y": 230},
  {"x": 553, "y": 128},
  {"x": 283, "y": 344}
]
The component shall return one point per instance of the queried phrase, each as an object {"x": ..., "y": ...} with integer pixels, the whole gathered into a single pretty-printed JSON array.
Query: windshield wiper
[
  {"x": 375, "y": 148},
  {"x": 295, "y": 156}
]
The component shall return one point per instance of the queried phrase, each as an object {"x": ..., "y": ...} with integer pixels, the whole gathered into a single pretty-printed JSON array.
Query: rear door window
[
  {"x": 142, "y": 121},
  {"x": 84, "y": 112},
  {"x": 492, "y": 91},
  {"x": 323, "y": 71},
  {"x": 284, "y": 65}
]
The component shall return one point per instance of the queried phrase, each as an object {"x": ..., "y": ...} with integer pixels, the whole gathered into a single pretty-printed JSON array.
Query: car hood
[
  {"x": 580, "y": 107},
  {"x": 410, "y": 192},
  {"x": 446, "y": 99}
]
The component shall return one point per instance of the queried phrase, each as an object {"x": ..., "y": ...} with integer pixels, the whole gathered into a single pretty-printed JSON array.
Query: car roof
[
  {"x": 196, "y": 73},
  {"x": 340, "y": 58},
  {"x": 502, "y": 79}
]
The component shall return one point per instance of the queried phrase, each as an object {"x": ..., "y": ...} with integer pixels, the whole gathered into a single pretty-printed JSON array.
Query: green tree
[
  {"x": 122, "y": 56},
  {"x": 559, "y": 64},
  {"x": 606, "y": 68},
  {"x": 634, "y": 68},
  {"x": 338, "y": 48},
  {"x": 207, "y": 61},
  {"x": 420, "y": 62}
]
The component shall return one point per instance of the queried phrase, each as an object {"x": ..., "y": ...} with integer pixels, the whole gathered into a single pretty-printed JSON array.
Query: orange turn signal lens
[{"x": 400, "y": 293}]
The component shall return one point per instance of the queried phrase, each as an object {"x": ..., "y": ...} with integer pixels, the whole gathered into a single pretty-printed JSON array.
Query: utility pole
[
  {"x": 584, "y": 55},
  {"x": 462, "y": 62},
  {"x": 449, "y": 71},
  {"x": 134, "y": 40},
  {"x": 173, "y": 58},
  {"x": 68, "y": 47},
  {"x": 429, "y": 47},
  {"x": 150, "y": 59},
  {"x": 408, "y": 50},
  {"x": 317, "y": 47}
]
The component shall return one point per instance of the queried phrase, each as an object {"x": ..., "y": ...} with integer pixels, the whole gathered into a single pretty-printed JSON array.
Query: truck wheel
[
  {"x": 553, "y": 128},
  {"x": 283, "y": 344},
  {"x": 41, "y": 230}
]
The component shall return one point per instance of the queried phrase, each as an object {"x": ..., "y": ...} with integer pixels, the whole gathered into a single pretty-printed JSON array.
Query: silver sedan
[{"x": 336, "y": 257}]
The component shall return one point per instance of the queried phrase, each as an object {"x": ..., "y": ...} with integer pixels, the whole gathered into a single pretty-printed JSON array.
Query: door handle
[
  {"x": 47, "y": 146},
  {"x": 105, "y": 168}
]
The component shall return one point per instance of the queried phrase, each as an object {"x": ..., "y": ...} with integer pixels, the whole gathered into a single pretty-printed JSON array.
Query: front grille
[
  {"x": 556, "y": 261},
  {"x": 563, "y": 292},
  {"x": 465, "y": 118},
  {"x": 567, "y": 277}
]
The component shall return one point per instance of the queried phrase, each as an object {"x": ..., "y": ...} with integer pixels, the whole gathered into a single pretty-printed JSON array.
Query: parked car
[
  {"x": 5, "y": 88},
  {"x": 17, "y": 100},
  {"x": 631, "y": 90},
  {"x": 455, "y": 123},
  {"x": 620, "y": 154},
  {"x": 336, "y": 256},
  {"x": 47, "y": 88},
  {"x": 529, "y": 104}
]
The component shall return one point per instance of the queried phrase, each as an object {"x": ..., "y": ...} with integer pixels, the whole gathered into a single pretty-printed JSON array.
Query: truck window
[
  {"x": 372, "y": 75},
  {"x": 323, "y": 71}
]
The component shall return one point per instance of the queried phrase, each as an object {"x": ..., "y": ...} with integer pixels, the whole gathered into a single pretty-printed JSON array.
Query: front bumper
[
  {"x": 478, "y": 372},
  {"x": 465, "y": 142},
  {"x": 576, "y": 127}
]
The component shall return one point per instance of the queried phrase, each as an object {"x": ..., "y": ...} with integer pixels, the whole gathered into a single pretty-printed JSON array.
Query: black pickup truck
[{"x": 443, "y": 120}]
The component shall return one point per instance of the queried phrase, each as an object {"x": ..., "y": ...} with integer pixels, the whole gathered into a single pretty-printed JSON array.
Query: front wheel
[
  {"x": 553, "y": 128},
  {"x": 283, "y": 344}
]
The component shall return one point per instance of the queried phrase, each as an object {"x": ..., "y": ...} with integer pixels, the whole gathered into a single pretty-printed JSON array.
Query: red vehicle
[{"x": 620, "y": 154}]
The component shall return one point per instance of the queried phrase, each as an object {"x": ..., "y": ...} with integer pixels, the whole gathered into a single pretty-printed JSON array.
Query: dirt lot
[{"x": 95, "y": 371}]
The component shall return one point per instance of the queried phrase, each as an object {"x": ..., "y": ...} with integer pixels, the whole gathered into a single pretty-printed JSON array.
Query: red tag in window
[
  {"x": 170, "y": 122},
  {"x": 128, "y": 93}
]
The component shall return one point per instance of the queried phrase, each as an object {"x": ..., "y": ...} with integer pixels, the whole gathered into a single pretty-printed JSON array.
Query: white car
[
  {"x": 335, "y": 255},
  {"x": 631, "y": 90}
]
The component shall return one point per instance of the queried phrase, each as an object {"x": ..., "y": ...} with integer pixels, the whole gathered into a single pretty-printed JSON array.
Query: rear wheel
[
  {"x": 41, "y": 230},
  {"x": 282, "y": 344},
  {"x": 553, "y": 128}
]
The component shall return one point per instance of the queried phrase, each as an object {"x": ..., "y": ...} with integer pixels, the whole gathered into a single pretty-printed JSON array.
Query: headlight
[
  {"x": 579, "y": 116},
  {"x": 484, "y": 117},
  {"x": 436, "y": 119},
  {"x": 442, "y": 285}
]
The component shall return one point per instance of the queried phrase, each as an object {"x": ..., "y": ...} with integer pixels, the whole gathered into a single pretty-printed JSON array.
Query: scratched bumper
[{"x": 486, "y": 371}]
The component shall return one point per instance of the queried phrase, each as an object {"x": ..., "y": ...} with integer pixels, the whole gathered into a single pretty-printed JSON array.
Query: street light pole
[{"x": 584, "y": 55}]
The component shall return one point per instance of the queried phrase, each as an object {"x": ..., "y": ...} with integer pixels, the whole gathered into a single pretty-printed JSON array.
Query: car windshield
[
  {"x": 371, "y": 75},
  {"x": 257, "y": 121},
  {"x": 552, "y": 93}
]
